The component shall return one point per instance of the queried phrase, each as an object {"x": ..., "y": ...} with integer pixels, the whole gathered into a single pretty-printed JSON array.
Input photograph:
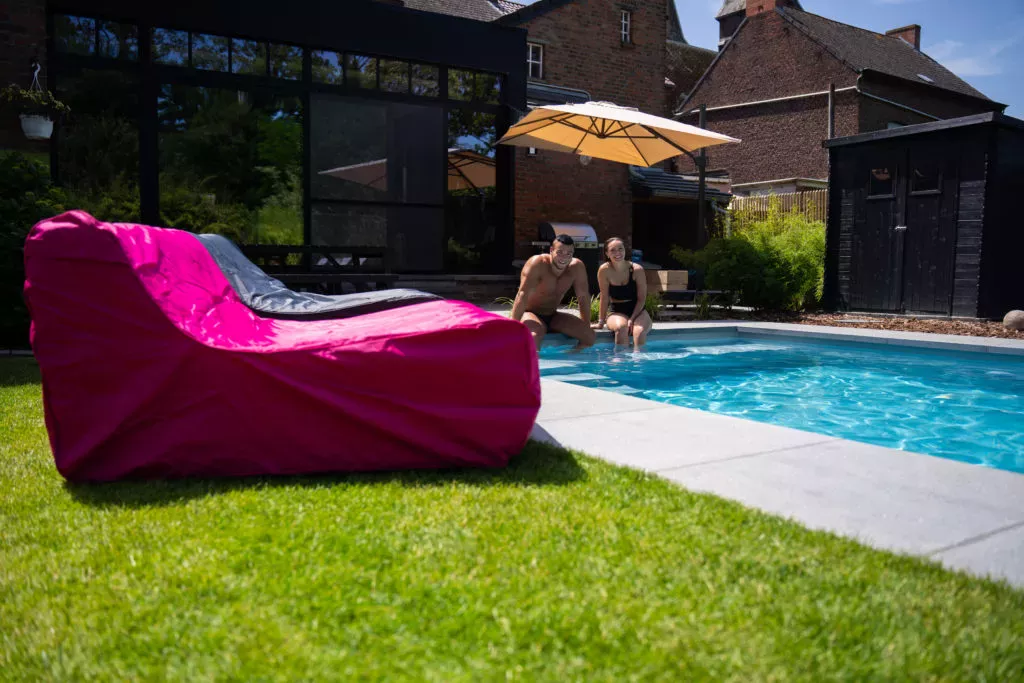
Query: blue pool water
[{"x": 965, "y": 406}]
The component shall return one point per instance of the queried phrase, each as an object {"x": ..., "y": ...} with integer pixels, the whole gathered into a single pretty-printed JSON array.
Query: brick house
[
  {"x": 769, "y": 86},
  {"x": 630, "y": 52}
]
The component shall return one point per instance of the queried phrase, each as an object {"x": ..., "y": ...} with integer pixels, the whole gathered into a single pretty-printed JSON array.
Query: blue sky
[{"x": 982, "y": 41}]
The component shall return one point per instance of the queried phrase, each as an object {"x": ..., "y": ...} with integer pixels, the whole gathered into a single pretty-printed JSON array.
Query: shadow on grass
[
  {"x": 539, "y": 464},
  {"x": 16, "y": 371}
]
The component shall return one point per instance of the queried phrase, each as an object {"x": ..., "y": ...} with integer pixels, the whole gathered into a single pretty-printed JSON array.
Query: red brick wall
[
  {"x": 582, "y": 50},
  {"x": 22, "y": 37},
  {"x": 780, "y": 140},
  {"x": 770, "y": 59}
]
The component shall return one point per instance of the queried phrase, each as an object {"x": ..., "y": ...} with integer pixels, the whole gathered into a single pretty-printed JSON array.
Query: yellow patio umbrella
[{"x": 607, "y": 131}]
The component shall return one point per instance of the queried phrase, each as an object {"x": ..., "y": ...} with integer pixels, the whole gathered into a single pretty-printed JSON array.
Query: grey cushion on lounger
[{"x": 270, "y": 298}]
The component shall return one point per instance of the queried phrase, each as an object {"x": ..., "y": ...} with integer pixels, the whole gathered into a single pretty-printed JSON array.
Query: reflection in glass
[
  {"x": 394, "y": 75},
  {"x": 210, "y": 52},
  {"x": 349, "y": 225},
  {"x": 98, "y": 150},
  {"x": 118, "y": 41},
  {"x": 74, "y": 35},
  {"x": 881, "y": 182},
  {"x": 327, "y": 67},
  {"x": 471, "y": 210},
  {"x": 170, "y": 47},
  {"x": 361, "y": 71},
  {"x": 248, "y": 57},
  {"x": 926, "y": 179},
  {"x": 425, "y": 80},
  {"x": 376, "y": 151},
  {"x": 285, "y": 61},
  {"x": 488, "y": 88},
  {"x": 231, "y": 163},
  {"x": 460, "y": 85}
]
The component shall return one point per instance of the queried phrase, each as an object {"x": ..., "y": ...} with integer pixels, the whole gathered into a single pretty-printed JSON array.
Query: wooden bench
[{"x": 673, "y": 286}]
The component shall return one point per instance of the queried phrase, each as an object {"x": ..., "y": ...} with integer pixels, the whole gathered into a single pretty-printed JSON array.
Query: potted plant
[{"x": 37, "y": 109}]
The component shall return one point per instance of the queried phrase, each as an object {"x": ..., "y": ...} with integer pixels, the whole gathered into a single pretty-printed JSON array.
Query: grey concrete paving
[{"x": 965, "y": 516}]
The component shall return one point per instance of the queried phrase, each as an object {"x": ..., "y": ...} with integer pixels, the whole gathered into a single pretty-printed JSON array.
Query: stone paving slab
[
  {"x": 1000, "y": 555},
  {"x": 966, "y": 516},
  {"x": 886, "y": 498}
]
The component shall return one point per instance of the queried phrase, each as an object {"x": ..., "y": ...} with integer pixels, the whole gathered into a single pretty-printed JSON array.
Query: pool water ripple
[{"x": 961, "y": 405}]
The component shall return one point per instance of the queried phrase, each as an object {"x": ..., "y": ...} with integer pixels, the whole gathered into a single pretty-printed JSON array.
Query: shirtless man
[{"x": 545, "y": 280}]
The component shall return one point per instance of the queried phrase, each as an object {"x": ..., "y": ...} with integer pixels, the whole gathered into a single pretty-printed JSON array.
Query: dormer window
[
  {"x": 535, "y": 60},
  {"x": 626, "y": 27}
]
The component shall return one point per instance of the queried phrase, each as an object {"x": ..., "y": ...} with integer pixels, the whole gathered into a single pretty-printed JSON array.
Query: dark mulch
[{"x": 971, "y": 328}]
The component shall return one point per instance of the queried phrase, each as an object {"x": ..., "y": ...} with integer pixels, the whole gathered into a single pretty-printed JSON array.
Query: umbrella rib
[
  {"x": 633, "y": 142},
  {"x": 665, "y": 139},
  {"x": 551, "y": 120}
]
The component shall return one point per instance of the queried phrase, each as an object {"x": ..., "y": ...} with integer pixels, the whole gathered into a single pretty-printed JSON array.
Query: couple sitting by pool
[{"x": 547, "y": 277}]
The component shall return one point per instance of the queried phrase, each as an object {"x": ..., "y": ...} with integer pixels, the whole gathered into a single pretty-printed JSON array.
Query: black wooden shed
[{"x": 928, "y": 219}]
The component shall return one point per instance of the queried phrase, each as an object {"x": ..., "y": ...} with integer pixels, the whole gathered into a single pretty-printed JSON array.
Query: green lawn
[{"x": 559, "y": 568}]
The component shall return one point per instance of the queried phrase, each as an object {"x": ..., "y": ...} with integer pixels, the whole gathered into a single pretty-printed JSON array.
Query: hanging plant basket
[
  {"x": 37, "y": 107},
  {"x": 36, "y": 127}
]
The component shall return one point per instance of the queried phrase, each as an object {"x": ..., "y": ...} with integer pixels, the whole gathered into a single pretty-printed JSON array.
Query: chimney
[
  {"x": 755, "y": 7},
  {"x": 911, "y": 34}
]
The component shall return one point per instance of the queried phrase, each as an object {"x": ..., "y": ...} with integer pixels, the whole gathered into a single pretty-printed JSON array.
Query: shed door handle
[{"x": 900, "y": 228}]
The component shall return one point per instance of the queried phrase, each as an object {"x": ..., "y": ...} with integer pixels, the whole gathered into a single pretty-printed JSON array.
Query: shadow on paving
[{"x": 539, "y": 464}]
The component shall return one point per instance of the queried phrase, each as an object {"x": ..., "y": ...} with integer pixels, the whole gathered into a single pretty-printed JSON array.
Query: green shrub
[
  {"x": 26, "y": 197},
  {"x": 776, "y": 263}
]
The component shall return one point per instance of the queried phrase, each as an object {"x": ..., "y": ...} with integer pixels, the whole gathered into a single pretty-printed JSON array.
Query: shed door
[
  {"x": 930, "y": 237},
  {"x": 876, "y": 278}
]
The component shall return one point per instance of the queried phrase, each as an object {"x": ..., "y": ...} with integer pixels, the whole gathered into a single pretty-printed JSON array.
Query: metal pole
[
  {"x": 702, "y": 163},
  {"x": 831, "y": 110}
]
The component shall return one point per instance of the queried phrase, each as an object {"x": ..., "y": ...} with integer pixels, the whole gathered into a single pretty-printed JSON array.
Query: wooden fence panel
[{"x": 813, "y": 204}]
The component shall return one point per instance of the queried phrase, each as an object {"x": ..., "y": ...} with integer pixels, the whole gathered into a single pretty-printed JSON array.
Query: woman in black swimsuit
[{"x": 623, "y": 293}]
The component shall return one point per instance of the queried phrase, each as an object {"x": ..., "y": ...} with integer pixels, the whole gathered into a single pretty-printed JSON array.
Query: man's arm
[
  {"x": 527, "y": 281},
  {"x": 582, "y": 292}
]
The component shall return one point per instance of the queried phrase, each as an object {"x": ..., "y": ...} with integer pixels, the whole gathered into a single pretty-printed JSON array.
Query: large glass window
[
  {"x": 231, "y": 163},
  {"x": 361, "y": 71},
  {"x": 328, "y": 67},
  {"x": 471, "y": 211},
  {"x": 74, "y": 35},
  {"x": 400, "y": 159},
  {"x": 425, "y": 80},
  {"x": 285, "y": 61},
  {"x": 170, "y": 47},
  {"x": 248, "y": 57},
  {"x": 98, "y": 143},
  {"x": 118, "y": 41},
  {"x": 394, "y": 76},
  {"x": 378, "y": 178},
  {"x": 210, "y": 52}
]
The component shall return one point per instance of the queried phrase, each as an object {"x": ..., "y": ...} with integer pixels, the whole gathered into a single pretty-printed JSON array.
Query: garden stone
[{"x": 1014, "y": 320}]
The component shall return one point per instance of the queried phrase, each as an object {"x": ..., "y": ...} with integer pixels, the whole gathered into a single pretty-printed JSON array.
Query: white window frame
[
  {"x": 626, "y": 27},
  {"x": 539, "y": 62}
]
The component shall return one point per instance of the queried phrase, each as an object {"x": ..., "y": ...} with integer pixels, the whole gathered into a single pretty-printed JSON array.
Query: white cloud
[
  {"x": 976, "y": 60},
  {"x": 944, "y": 50}
]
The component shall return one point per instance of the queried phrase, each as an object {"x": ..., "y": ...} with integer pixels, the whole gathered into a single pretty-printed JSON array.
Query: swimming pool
[{"x": 967, "y": 406}]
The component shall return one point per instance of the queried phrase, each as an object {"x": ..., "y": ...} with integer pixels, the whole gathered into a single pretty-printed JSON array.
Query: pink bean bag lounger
[{"x": 154, "y": 366}]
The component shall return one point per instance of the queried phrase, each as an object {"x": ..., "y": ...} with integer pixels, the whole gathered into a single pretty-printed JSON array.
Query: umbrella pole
[{"x": 702, "y": 162}]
